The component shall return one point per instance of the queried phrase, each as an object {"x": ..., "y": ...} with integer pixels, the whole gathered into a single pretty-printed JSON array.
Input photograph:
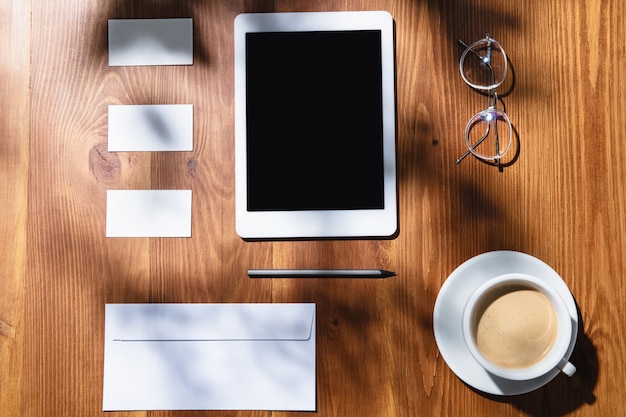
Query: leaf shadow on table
[
  {"x": 563, "y": 394},
  {"x": 463, "y": 20},
  {"x": 344, "y": 321},
  {"x": 204, "y": 15},
  {"x": 151, "y": 9}
]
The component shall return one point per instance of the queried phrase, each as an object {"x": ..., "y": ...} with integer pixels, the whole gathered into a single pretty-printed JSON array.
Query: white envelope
[{"x": 209, "y": 357}]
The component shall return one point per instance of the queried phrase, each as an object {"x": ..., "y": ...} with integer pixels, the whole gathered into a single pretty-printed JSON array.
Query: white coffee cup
[{"x": 518, "y": 327}]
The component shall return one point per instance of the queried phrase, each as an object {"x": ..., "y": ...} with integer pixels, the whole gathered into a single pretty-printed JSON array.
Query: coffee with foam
[{"x": 515, "y": 327}]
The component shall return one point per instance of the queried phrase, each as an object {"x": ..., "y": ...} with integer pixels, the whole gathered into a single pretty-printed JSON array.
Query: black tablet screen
[{"x": 314, "y": 121}]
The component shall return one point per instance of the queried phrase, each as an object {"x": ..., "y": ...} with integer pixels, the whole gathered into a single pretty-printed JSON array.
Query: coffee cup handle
[{"x": 566, "y": 367}]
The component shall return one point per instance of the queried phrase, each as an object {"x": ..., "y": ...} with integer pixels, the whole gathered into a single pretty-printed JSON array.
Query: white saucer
[{"x": 448, "y": 311}]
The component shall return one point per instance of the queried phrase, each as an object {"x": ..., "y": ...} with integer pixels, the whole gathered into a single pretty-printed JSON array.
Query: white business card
[
  {"x": 148, "y": 213},
  {"x": 150, "y": 128},
  {"x": 135, "y": 42}
]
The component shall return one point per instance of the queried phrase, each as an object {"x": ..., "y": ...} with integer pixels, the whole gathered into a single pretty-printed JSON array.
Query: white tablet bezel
[{"x": 355, "y": 223}]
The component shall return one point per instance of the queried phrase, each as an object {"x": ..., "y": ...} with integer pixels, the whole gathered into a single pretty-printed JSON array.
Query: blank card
[
  {"x": 148, "y": 213},
  {"x": 150, "y": 42},
  {"x": 151, "y": 128}
]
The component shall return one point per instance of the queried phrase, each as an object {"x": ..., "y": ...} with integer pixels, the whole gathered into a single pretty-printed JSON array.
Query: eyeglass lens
[
  {"x": 488, "y": 134},
  {"x": 484, "y": 64}
]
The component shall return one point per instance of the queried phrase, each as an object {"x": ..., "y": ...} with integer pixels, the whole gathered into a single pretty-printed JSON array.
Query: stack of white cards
[{"x": 150, "y": 128}]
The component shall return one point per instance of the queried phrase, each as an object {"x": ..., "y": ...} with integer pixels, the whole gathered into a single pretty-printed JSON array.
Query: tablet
[{"x": 315, "y": 125}]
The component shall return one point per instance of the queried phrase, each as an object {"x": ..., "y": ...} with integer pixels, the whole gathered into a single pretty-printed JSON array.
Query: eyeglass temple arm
[{"x": 478, "y": 142}]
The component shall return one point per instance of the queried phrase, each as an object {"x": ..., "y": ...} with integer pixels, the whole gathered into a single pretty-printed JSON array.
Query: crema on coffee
[{"x": 515, "y": 328}]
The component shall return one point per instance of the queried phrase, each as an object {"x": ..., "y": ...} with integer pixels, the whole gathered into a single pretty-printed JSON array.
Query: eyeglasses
[{"x": 488, "y": 134}]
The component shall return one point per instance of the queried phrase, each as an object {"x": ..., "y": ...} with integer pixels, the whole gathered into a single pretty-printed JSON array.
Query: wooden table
[{"x": 562, "y": 200}]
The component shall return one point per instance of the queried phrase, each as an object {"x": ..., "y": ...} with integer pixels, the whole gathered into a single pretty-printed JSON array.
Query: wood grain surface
[{"x": 561, "y": 198}]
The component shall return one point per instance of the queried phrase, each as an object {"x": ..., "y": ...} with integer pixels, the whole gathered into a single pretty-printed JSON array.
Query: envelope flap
[{"x": 207, "y": 322}]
